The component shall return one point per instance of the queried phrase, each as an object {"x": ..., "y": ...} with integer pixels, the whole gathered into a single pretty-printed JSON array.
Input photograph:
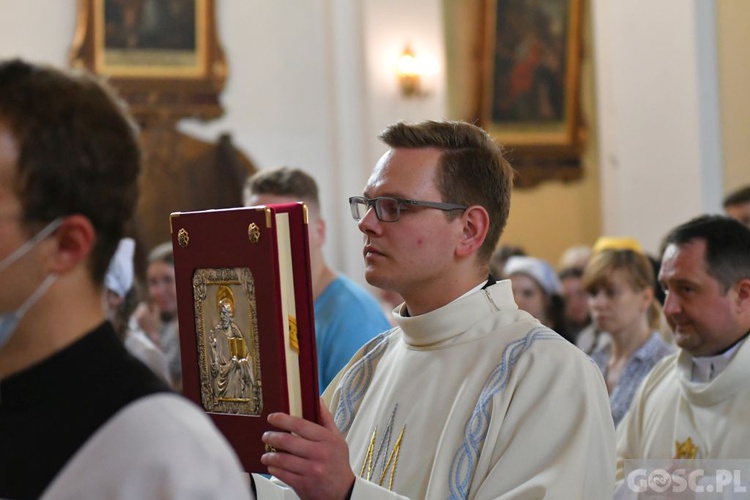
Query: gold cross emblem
[{"x": 685, "y": 450}]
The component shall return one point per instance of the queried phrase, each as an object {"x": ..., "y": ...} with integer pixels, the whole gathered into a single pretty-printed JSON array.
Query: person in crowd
[
  {"x": 576, "y": 316},
  {"x": 591, "y": 338},
  {"x": 619, "y": 284},
  {"x": 79, "y": 416},
  {"x": 737, "y": 205},
  {"x": 121, "y": 299},
  {"x": 469, "y": 397},
  {"x": 537, "y": 290},
  {"x": 501, "y": 256},
  {"x": 157, "y": 317},
  {"x": 575, "y": 299},
  {"x": 696, "y": 403},
  {"x": 346, "y": 315},
  {"x": 575, "y": 257}
]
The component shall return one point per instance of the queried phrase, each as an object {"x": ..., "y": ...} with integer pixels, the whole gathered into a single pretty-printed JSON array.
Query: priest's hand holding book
[{"x": 312, "y": 459}]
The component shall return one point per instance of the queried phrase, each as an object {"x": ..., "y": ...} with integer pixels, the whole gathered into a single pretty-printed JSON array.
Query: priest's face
[
  {"x": 414, "y": 255},
  {"x": 703, "y": 316}
]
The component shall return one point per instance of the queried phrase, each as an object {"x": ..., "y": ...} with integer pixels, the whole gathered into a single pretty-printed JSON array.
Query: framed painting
[
  {"x": 530, "y": 82},
  {"x": 142, "y": 38},
  {"x": 158, "y": 53}
]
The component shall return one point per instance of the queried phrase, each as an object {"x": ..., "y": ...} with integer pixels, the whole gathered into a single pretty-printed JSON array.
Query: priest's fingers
[
  {"x": 326, "y": 419},
  {"x": 289, "y": 443},
  {"x": 301, "y": 427},
  {"x": 312, "y": 459},
  {"x": 281, "y": 464},
  {"x": 326, "y": 447},
  {"x": 315, "y": 478}
]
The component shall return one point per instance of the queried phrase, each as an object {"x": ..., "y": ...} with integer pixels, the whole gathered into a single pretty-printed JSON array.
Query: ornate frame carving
[
  {"x": 173, "y": 78},
  {"x": 529, "y": 96}
]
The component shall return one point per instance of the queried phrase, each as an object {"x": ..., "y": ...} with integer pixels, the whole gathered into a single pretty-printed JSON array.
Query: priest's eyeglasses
[{"x": 388, "y": 209}]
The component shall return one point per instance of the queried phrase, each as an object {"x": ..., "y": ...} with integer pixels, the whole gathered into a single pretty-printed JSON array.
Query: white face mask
[{"x": 9, "y": 321}]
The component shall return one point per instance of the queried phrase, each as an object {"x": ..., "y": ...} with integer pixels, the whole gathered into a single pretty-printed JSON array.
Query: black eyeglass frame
[{"x": 376, "y": 202}]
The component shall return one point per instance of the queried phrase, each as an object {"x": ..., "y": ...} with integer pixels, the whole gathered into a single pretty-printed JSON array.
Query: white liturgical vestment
[
  {"x": 671, "y": 408},
  {"x": 476, "y": 400}
]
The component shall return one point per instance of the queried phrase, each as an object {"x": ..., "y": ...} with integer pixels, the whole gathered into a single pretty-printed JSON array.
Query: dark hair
[
  {"x": 556, "y": 316},
  {"x": 78, "y": 151},
  {"x": 737, "y": 197},
  {"x": 283, "y": 181},
  {"x": 472, "y": 170},
  {"x": 727, "y": 246}
]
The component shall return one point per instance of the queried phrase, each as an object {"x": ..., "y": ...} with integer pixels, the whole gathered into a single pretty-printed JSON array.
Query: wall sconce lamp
[{"x": 411, "y": 71}]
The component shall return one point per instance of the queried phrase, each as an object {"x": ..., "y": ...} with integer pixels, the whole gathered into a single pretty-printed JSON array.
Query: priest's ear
[{"x": 476, "y": 223}]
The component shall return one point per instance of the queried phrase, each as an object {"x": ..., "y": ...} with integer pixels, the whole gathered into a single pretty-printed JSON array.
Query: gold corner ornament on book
[
  {"x": 183, "y": 238},
  {"x": 685, "y": 450},
  {"x": 253, "y": 233}
]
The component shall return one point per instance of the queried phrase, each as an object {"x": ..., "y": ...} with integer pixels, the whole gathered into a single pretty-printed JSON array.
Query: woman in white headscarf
[{"x": 537, "y": 290}]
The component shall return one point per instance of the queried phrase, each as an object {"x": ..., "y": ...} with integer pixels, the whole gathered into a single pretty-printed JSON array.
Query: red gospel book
[{"x": 245, "y": 310}]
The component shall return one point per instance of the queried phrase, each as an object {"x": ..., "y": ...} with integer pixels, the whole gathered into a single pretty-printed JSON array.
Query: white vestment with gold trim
[
  {"x": 475, "y": 400},
  {"x": 669, "y": 408}
]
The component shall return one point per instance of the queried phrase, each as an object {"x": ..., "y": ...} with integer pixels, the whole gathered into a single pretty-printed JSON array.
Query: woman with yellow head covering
[{"x": 620, "y": 282}]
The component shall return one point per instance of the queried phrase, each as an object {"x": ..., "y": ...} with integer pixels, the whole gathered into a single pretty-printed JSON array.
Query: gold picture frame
[
  {"x": 160, "y": 55},
  {"x": 529, "y": 97}
]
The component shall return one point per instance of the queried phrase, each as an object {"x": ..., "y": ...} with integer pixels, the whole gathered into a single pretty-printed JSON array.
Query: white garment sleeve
[
  {"x": 161, "y": 446},
  {"x": 363, "y": 490},
  {"x": 271, "y": 490}
]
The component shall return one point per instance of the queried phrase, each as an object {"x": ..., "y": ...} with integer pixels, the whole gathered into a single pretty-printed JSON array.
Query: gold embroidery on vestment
[
  {"x": 393, "y": 457},
  {"x": 368, "y": 457},
  {"x": 685, "y": 450},
  {"x": 390, "y": 465}
]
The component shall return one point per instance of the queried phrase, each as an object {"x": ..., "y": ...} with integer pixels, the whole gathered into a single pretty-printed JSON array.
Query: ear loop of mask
[
  {"x": 20, "y": 251},
  {"x": 9, "y": 321},
  {"x": 21, "y": 311}
]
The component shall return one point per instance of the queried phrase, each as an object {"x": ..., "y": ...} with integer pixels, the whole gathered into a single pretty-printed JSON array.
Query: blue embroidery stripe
[
  {"x": 464, "y": 462},
  {"x": 356, "y": 381}
]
